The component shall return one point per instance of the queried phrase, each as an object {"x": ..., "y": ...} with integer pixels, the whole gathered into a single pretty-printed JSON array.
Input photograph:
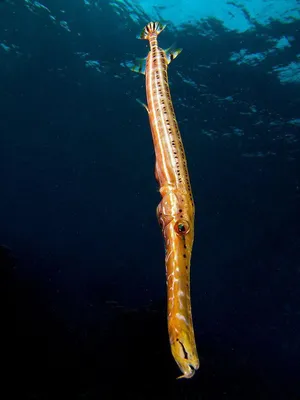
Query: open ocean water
[{"x": 83, "y": 302}]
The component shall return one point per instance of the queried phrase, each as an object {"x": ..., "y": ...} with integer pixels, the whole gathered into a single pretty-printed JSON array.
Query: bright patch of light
[{"x": 235, "y": 15}]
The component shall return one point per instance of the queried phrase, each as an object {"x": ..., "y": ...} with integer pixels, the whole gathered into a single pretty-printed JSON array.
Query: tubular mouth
[
  {"x": 189, "y": 373},
  {"x": 185, "y": 356}
]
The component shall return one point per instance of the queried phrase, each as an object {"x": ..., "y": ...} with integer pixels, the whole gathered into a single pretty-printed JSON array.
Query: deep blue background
[{"x": 83, "y": 308}]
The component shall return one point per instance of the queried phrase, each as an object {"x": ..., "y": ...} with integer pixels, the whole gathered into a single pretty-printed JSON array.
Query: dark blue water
[{"x": 82, "y": 279}]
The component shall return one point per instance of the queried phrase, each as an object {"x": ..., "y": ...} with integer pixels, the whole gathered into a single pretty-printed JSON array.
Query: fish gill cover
[{"x": 78, "y": 196}]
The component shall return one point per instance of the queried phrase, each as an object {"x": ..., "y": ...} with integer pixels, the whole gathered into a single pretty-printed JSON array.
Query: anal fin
[{"x": 139, "y": 65}]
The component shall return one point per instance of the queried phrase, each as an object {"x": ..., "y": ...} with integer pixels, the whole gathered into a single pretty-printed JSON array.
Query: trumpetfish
[{"x": 176, "y": 211}]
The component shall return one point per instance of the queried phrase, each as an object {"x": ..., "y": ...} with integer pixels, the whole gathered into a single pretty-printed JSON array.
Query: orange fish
[{"x": 176, "y": 211}]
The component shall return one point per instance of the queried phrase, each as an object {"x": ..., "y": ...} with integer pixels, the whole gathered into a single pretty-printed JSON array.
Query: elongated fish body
[{"x": 176, "y": 210}]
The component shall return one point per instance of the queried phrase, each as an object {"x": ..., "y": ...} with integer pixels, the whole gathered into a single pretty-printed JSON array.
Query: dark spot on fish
[{"x": 184, "y": 351}]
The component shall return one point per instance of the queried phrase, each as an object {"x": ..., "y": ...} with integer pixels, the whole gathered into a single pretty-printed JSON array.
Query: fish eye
[{"x": 182, "y": 227}]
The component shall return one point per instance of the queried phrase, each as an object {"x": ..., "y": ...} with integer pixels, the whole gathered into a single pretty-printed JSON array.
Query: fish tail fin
[{"x": 153, "y": 28}]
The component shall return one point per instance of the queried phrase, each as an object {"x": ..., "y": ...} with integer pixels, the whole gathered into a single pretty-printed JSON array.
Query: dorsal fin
[{"x": 172, "y": 52}]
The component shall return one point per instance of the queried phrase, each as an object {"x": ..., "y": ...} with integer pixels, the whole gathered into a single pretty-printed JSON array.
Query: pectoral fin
[{"x": 143, "y": 104}]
